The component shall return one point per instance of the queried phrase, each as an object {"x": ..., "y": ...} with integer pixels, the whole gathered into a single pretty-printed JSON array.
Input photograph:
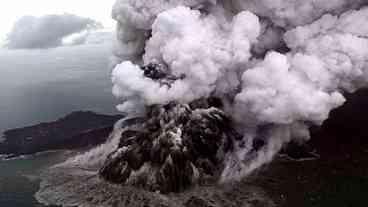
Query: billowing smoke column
[
  {"x": 215, "y": 89},
  {"x": 278, "y": 66}
]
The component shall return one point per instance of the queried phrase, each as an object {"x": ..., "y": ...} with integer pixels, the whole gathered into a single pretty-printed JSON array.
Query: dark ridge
[{"x": 76, "y": 130}]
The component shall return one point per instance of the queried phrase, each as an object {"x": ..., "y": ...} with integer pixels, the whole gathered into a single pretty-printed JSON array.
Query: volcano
[
  {"x": 174, "y": 147},
  {"x": 214, "y": 90}
]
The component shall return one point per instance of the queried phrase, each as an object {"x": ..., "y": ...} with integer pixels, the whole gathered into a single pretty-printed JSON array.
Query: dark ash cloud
[{"x": 47, "y": 31}]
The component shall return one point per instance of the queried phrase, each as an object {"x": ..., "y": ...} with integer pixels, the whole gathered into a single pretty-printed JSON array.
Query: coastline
[
  {"x": 10, "y": 157},
  {"x": 76, "y": 130}
]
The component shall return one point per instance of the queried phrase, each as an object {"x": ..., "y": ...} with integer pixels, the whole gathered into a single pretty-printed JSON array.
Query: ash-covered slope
[{"x": 191, "y": 163}]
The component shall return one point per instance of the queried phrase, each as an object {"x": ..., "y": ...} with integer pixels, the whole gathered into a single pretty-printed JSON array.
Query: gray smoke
[
  {"x": 278, "y": 66},
  {"x": 219, "y": 47},
  {"x": 47, "y": 31}
]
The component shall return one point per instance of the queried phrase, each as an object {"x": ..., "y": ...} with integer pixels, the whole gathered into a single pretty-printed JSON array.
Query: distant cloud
[
  {"x": 47, "y": 31},
  {"x": 89, "y": 37}
]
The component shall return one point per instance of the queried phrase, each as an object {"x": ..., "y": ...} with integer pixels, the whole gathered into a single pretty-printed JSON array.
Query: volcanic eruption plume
[
  {"x": 278, "y": 67},
  {"x": 221, "y": 86}
]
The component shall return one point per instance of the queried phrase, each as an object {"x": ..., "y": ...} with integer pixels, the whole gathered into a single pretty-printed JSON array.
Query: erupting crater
[{"x": 173, "y": 147}]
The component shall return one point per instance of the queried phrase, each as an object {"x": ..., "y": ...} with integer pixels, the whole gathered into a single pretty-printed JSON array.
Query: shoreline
[
  {"x": 78, "y": 129},
  {"x": 10, "y": 157}
]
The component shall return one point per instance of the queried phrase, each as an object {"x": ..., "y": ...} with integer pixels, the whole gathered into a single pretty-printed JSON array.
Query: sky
[{"x": 12, "y": 10}]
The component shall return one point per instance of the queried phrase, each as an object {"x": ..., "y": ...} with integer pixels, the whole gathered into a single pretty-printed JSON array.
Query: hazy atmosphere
[
  {"x": 184, "y": 103},
  {"x": 14, "y": 11},
  {"x": 54, "y": 60}
]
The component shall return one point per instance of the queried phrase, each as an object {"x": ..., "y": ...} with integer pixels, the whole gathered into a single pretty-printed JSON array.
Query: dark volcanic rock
[
  {"x": 160, "y": 72},
  {"x": 176, "y": 146},
  {"x": 78, "y": 129}
]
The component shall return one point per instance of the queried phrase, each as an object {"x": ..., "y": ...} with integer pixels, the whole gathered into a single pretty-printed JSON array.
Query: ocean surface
[
  {"x": 19, "y": 178},
  {"x": 44, "y": 85}
]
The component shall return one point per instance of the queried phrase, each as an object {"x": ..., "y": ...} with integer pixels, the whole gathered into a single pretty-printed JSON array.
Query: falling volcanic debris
[{"x": 221, "y": 86}]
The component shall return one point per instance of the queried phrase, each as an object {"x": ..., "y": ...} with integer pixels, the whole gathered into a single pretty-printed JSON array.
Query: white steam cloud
[
  {"x": 291, "y": 13},
  {"x": 47, "y": 31},
  {"x": 280, "y": 66},
  {"x": 217, "y": 47},
  {"x": 206, "y": 50}
]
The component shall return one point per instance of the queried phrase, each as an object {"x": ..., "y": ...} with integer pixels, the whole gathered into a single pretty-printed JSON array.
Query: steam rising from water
[{"x": 217, "y": 45}]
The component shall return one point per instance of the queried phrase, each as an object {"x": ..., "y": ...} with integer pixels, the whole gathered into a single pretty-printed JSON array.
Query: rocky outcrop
[
  {"x": 174, "y": 147},
  {"x": 76, "y": 130}
]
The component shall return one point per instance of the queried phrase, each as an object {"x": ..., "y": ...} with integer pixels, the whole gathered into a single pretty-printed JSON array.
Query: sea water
[{"x": 44, "y": 85}]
